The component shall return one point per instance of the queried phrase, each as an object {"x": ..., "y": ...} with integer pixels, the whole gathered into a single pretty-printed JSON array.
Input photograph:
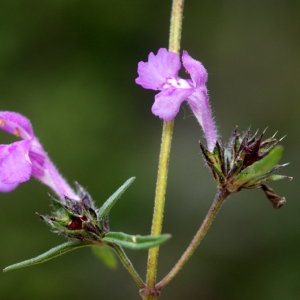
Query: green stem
[
  {"x": 175, "y": 26},
  {"x": 128, "y": 265},
  {"x": 219, "y": 200},
  {"x": 161, "y": 184},
  {"x": 159, "y": 200}
]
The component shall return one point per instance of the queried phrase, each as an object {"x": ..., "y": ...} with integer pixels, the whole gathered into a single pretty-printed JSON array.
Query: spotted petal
[
  {"x": 20, "y": 160},
  {"x": 16, "y": 124}
]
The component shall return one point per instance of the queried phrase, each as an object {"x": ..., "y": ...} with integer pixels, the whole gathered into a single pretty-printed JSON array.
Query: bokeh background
[{"x": 70, "y": 67}]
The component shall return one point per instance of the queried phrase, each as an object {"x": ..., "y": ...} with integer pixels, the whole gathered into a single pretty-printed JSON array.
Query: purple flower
[
  {"x": 25, "y": 158},
  {"x": 161, "y": 73}
]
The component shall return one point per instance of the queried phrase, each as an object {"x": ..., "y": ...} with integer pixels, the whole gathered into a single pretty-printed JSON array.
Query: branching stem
[
  {"x": 219, "y": 200},
  {"x": 128, "y": 265}
]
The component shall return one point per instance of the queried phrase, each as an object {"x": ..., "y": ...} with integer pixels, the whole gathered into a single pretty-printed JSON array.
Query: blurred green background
[{"x": 69, "y": 66}]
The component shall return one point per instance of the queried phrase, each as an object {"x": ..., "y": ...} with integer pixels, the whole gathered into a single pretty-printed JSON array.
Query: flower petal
[
  {"x": 5, "y": 188},
  {"x": 44, "y": 170},
  {"x": 198, "y": 101},
  {"x": 199, "y": 104},
  {"x": 15, "y": 165},
  {"x": 20, "y": 160},
  {"x": 154, "y": 73},
  {"x": 195, "y": 69},
  {"x": 16, "y": 124},
  {"x": 167, "y": 102}
]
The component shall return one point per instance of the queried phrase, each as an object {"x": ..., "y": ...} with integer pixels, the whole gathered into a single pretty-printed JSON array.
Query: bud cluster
[
  {"x": 77, "y": 219},
  {"x": 248, "y": 162}
]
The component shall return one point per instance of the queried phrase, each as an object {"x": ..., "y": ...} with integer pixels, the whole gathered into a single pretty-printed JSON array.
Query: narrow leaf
[
  {"x": 108, "y": 204},
  {"x": 52, "y": 253},
  {"x": 268, "y": 177},
  {"x": 260, "y": 167},
  {"x": 106, "y": 255},
  {"x": 135, "y": 242}
]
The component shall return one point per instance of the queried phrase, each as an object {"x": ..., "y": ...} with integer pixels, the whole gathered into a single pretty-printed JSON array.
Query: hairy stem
[
  {"x": 175, "y": 26},
  {"x": 161, "y": 184},
  {"x": 159, "y": 200},
  {"x": 128, "y": 265},
  {"x": 219, "y": 200}
]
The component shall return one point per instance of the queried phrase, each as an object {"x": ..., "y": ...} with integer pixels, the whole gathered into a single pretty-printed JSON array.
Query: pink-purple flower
[
  {"x": 23, "y": 159},
  {"x": 161, "y": 73}
]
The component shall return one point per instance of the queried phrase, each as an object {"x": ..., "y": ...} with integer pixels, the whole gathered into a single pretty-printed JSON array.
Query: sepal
[
  {"x": 247, "y": 162},
  {"x": 260, "y": 167},
  {"x": 275, "y": 200},
  {"x": 257, "y": 182},
  {"x": 215, "y": 162},
  {"x": 75, "y": 219}
]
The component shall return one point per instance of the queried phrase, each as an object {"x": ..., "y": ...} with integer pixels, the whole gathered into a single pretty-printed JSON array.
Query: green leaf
[
  {"x": 52, "y": 253},
  {"x": 106, "y": 255},
  {"x": 260, "y": 167},
  {"x": 135, "y": 242},
  {"x": 262, "y": 179},
  {"x": 108, "y": 204}
]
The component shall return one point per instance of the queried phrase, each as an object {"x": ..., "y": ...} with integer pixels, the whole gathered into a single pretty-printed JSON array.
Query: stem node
[{"x": 149, "y": 293}]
